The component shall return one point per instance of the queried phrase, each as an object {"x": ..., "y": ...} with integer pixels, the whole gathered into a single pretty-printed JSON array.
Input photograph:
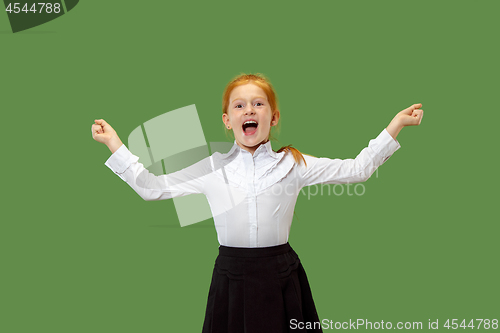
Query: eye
[
  {"x": 259, "y": 104},
  {"x": 238, "y": 106}
]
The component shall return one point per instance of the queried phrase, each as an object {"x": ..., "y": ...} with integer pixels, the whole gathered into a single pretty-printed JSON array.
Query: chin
[{"x": 252, "y": 142}]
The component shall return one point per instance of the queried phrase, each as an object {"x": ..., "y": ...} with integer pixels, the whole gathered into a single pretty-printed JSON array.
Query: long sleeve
[
  {"x": 189, "y": 180},
  {"x": 337, "y": 171}
]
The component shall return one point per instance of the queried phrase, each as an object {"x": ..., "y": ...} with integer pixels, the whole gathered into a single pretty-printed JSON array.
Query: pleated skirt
[{"x": 259, "y": 290}]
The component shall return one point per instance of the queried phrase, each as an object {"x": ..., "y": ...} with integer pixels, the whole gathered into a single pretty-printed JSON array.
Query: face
[{"x": 249, "y": 102}]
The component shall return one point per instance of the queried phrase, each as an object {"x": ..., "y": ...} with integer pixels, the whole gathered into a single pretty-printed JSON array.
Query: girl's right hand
[{"x": 102, "y": 132}]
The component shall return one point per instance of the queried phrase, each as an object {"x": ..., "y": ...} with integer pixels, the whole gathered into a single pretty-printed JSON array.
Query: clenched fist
[
  {"x": 103, "y": 132},
  {"x": 411, "y": 116},
  {"x": 408, "y": 117}
]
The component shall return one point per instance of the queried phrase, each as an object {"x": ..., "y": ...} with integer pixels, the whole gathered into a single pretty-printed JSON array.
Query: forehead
[{"x": 247, "y": 91}]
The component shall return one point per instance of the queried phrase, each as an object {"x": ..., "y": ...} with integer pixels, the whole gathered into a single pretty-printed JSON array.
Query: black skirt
[{"x": 259, "y": 290}]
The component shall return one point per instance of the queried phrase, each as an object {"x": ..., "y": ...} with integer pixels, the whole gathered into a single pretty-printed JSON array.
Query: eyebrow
[{"x": 252, "y": 98}]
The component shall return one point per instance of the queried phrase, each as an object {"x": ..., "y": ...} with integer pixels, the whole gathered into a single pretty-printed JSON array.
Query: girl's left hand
[{"x": 411, "y": 116}]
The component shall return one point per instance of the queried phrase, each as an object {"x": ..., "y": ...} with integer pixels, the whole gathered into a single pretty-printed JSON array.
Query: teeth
[{"x": 250, "y": 122}]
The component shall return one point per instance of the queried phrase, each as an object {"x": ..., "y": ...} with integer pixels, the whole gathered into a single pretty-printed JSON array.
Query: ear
[
  {"x": 275, "y": 119},
  {"x": 225, "y": 119}
]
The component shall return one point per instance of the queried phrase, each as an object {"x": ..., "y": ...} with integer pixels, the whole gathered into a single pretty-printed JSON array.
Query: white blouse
[{"x": 252, "y": 197}]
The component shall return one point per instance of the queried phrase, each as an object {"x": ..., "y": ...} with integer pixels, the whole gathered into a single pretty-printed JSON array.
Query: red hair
[{"x": 262, "y": 82}]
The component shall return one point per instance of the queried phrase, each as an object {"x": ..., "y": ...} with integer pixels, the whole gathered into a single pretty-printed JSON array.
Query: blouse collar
[{"x": 265, "y": 149}]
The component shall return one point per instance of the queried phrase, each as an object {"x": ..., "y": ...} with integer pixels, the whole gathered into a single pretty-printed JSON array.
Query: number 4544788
[
  {"x": 486, "y": 323},
  {"x": 46, "y": 7}
]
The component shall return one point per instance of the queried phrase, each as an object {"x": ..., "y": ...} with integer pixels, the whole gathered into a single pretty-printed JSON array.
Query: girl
[{"x": 258, "y": 282}]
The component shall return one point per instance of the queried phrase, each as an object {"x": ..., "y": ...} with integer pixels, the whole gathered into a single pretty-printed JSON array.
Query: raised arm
[
  {"x": 342, "y": 171},
  {"x": 122, "y": 162}
]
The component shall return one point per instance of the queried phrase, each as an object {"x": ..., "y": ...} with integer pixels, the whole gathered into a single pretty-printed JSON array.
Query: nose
[{"x": 249, "y": 109}]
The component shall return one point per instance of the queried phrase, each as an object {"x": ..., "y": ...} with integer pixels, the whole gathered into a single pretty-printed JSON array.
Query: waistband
[{"x": 253, "y": 252}]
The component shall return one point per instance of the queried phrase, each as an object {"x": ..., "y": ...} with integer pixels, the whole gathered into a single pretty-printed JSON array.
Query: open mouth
[{"x": 250, "y": 127}]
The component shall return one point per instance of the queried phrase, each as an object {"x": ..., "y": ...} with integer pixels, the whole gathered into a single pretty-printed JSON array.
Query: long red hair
[{"x": 262, "y": 82}]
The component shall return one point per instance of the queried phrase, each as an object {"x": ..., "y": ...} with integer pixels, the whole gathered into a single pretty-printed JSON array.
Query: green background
[{"x": 78, "y": 254}]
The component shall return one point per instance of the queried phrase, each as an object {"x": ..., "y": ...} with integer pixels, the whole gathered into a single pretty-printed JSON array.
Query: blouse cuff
[
  {"x": 385, "y": 144},
  {"x": 120, "y": 160}
]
